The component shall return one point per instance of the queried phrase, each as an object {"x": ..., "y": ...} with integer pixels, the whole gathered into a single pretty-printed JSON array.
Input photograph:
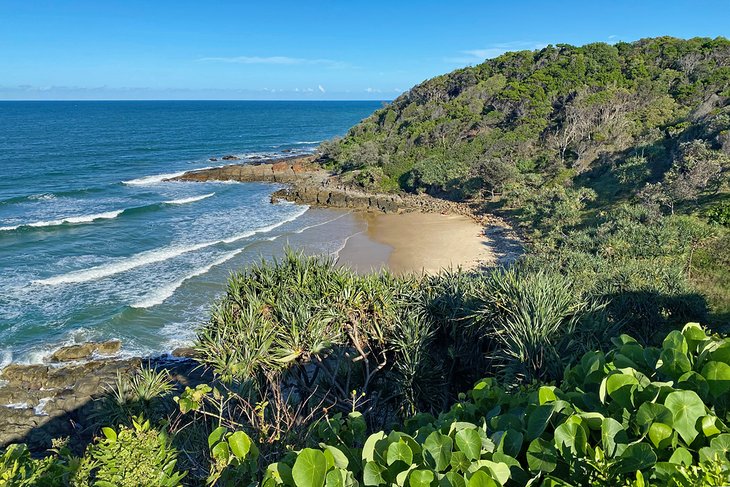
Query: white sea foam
[
  {"x": 18, "y": 405},
  {"x": 43, "y": 196},
  {"x": 138, "y": 260},
  {"x": 153, "y": 256},
  {"x": 336, "y": 252},
  {"x": 192, "y": 199},
  {"x": 68, "y": 220},
  {"x": 158, "y": 178},
  {"x": 40, "y": 409},
  {"x": 160, "y": 295},
  {"x": 308, "y": 227},
  {"x": 271, "y": 227},
  {"x": 305, "y": 142},
  {"x": 154, "y": 179}
]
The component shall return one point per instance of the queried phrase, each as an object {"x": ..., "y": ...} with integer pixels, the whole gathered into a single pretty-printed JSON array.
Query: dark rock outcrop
[
  {"x": 307, "y": 183},
  {"x": 40, "y": 402},
  {"x": 86, "y": 350}
]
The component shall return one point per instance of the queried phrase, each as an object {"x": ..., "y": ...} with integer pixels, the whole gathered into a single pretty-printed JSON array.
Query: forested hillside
[{"x": 599, "y": 151}]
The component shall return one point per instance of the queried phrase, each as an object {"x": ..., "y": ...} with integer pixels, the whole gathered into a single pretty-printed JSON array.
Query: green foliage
[
  {"x": 719, "y": 214},
  {"x": 19, "y": 469},
  {"x": 564, "y": 106},
  {"x": 370, "y": 334},
  {"x": 538, "y": 321},
  {"x": 234, "y": 457},
  {"x": 139, "y": 455},
  {"x": 141, "y": 393},
  {"x": 628, "y": 417}
]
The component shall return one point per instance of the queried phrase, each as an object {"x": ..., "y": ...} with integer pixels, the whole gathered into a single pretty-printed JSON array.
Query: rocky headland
[{"x": 306, "y": 182}]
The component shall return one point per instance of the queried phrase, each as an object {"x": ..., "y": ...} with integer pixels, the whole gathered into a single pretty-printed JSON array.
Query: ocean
[{"x": 94, "y": 245}]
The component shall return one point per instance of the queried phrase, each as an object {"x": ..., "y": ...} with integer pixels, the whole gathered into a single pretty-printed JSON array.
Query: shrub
[
  {"x": 720, "y": 214},
  {"x": 139, "y": 455},
  {"x": 142, "y": 393},
  {"x": 539, "y": 321}
]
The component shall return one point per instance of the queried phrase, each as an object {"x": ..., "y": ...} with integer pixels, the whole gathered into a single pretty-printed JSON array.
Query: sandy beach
[{"x": 416, "y": 242}]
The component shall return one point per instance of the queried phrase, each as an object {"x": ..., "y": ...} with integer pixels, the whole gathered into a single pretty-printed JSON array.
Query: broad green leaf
[
  {"x": 339, "y": 459},
  {"x": 686, "y": 408},
  {"x": 538, "y": 420},
  {"x": 109, "y": 433},
  {"x": 499, "y": 471},
  {"x": 681, "y": 456},
  {"x": 372, "y": 474},
  {"x": 399, "y": 452},
  {"x": 693, "y": 333},
  {"x": 546, "y": 394},
  {"x": 717, "y": 375},
  {"x": 638, "y": 456},
  {"x": 371, "y": 449},
  {"x": 452, "y": 479},
  {"x": 310, "y": 468},
  {"x": 572, "y": 436},
  {"x": 718, "y": 449},
  {"x": 542, "y": 456},
  {"x": 221, "y": 452},
  {"x": 621, "y": 387},
  {"x": 721, "y": 353},
  {"x": 421, "y": 478},
  {"x": 438, "y": 448},
  {"x": 469, "y": 442},
  {"x": 459, "y": 461},
  {"x": 336, "y": 478},
  {"x": 649, "y": 413},
  {"x": 660, "y": 435},
  {"x": 675, "y": 341},
  {"x": 280, "y": 472},
  {"x": 481, "y": 479},
  {"x": 613, "y": 437},
  {"x": 240, "y": 444},
  {"x": 511, "y": 443},
  {"x": 216, "y": 436},
  {"x": 710, "y": 426},
  {"x": 693, "y": 381},
  {"x": 674, "y": 363}
]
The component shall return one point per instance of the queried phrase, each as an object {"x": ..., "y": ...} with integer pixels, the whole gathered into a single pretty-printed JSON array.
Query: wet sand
[{"x": 416, "y": 242}]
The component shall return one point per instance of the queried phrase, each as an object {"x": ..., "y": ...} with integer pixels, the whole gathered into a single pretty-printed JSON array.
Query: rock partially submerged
[
  {"x": 85, "y": 351},
  {"x": 40, "y": 402},
  {"x": 307, "y": 183}
]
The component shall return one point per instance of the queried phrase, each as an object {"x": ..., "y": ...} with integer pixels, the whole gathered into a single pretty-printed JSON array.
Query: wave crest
[
  {"x": 192, "y": 199},
  {"x": 68, "y": 220},
  {"x": 153, "y": 256}
]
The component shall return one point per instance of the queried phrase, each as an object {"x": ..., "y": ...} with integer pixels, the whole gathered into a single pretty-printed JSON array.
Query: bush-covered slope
[
  {"x": 614, "y": 159},
  {"x": 550, "y": 113}
]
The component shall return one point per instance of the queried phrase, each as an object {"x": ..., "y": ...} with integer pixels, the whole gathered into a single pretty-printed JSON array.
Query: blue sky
[{"x": 155, "y": 49}]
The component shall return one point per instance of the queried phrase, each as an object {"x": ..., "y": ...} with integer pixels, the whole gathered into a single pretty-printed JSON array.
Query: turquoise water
[{"x": 94, "y": 245}]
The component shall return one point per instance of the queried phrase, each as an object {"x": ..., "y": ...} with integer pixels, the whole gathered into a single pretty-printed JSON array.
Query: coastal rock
[
  {"x": 84, "y": 351},
  {"x": 184, "y": 352},
  {"x": 40, "y": 402},
  {"x": 310, "y": 184},
  {"x": 230, "y": 157},
  {"x": 213, "y": 159}
]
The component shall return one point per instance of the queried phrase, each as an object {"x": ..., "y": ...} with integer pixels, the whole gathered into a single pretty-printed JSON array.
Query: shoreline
[
  {"x": 420, "y": 243},
  {"x": 396, "y": 233}
]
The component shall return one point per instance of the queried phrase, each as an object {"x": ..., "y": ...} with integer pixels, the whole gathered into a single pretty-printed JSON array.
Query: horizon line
[{"x": 190, "y": 99}]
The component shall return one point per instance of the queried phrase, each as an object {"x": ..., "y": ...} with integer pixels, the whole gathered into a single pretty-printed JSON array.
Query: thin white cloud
[
  {"x": 272, "y": 60},
  {"x": 471, "y": 56},
  {"x": 321, "y": 88}
]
